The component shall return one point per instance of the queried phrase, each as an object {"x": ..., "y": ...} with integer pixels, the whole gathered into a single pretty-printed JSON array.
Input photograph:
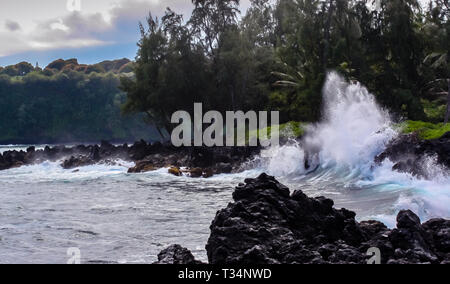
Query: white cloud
[
  {"x": 12, "y": 25},
  {"x": 11, "y": 44},
  {"x": 48, "y": 24}
]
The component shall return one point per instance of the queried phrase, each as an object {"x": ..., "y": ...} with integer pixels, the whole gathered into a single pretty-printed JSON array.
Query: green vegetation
[
  {"x": 292, "y": 129},
  {"x": 425, "y": 130},
  {"x": 66, "y": 102},
  {"x": 276, "y": 56}
]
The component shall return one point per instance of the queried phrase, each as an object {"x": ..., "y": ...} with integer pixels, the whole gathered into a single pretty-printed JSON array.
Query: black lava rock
[
  {"x": 409, "y": 152},
  {"x": 176, "y": 254},
  {"x": 267, "y": 225}
]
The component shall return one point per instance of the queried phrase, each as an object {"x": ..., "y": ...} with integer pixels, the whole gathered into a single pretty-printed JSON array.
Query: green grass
[
  {"x": 425, "y": 130},
  {"x": 435, "y": 110},
  {"x": 291, "y": 129}
]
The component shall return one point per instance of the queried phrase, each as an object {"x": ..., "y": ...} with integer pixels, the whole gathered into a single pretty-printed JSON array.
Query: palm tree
[{"x": 438, "y": 87}]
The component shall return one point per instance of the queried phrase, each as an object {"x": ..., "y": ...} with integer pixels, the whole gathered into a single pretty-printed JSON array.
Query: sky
[{"x": 40, "y": 31}]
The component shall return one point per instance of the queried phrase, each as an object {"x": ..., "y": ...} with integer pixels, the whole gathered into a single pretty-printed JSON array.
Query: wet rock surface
[
  {"x": 409, "y": 153},
  {"x": 266, "y": 224},
  {"x": 176, "y": 254}
]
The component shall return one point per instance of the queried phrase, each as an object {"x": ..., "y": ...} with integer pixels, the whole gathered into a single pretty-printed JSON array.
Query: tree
[
  {"x": 210, "y": 18},
  {"x": 142, "y": 91},
  {"x": 438, "y": 60},
  {"x": 67, "y": 106},
  {"x": 258, "y": 25},
  {"x": 441, "y": 88},
  {"x": 170, "y": 72},
  {"x": 278, "y": 54}
]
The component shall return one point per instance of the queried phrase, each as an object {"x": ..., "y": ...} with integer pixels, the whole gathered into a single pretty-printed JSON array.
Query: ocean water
[{"x": 112, "y": 216}]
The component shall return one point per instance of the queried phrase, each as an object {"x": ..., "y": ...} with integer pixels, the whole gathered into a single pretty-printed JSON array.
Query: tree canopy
[
  {"x": 66, "y": 102},
  {"x": 276, "y": 57}
]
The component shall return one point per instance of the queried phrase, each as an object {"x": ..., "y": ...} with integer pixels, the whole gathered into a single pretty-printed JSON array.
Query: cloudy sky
[{"x": 44, "y": 30}]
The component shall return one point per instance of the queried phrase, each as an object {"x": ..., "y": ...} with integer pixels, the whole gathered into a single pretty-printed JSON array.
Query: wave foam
[{"x": 340, "y": 152}]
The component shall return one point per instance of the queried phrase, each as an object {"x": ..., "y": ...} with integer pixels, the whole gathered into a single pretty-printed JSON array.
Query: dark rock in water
[
  {"x": 13, "y": 159},
  {"x": 196, "y": 172},
  {"x": 201, "y": 161},
  {"x": 148, "y": 157},
  {"x": 406, "y": 219},
  {"x": 267, "y": 225},
  {"x": 138, "y": 151},
  {"x": 95, "y": 154},
  {"x": 3, "y": 164},
  {"x": 175, "y": 171},
  {"x": 207, "y": 173},
  {"x": 411, "y": 241},
  {"x": 106, "y": 149},
  {"x": 438, "y": 231},
  {"x": 76, "y": 162},
  {"x": 142, "y": 167},
  {"x": 225, "y": 168},
  {"x": 176, "y": 254},
  {"x": 409, "y": 152},
  {"x": 106, "y": 145}
]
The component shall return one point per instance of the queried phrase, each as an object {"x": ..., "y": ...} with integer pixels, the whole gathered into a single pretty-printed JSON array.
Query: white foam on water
[
  {"x": 52, "y": 171},
  {"x": 341, "y": 151}
]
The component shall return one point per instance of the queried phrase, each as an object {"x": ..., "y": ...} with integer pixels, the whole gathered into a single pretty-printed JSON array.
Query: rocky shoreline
[
  {"x": 408, "y": 153},
  {"x": 266, "y": 224},
  {"x": 195, "y": 161}
]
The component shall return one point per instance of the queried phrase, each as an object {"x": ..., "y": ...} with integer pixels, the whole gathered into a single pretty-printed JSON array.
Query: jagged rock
[
  {"x": 95, "y": 154},
  {"x": 138, "y": 151},
  {"x": 408, "y": 153},
  {"x": 439, "y": 230},
  {"x": 411, "y": 241},
  {"x": 147, "y": 157},
  {"x": 207, "y": 173},
  {"x": 224, "y": 168},
  {"x": 266, "y": 225},
  {"x": 175, "y": 171},
  {"x": 176, "y": 254},
  {"x": 142, "y": 167},
  {"x": 406, "y": 219},
  {"x": 285, "y": 228},
  {"x": 76, "y": 162},
  {"x": 195, "y": 172}
]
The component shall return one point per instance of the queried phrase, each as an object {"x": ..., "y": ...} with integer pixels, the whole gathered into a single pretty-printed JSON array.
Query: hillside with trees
[
  {"x": 273, "y": 57},
  {"x": 276, "y": 57},
  {"x": 67, "y": 102}
]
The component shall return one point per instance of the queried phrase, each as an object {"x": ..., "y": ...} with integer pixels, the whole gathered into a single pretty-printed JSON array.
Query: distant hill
[
  {"x": 67, "y": 102},
  {"x": 118, "y": 66}
]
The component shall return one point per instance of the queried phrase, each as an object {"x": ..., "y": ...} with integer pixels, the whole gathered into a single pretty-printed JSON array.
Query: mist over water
[{"x": 114, "y": 216}]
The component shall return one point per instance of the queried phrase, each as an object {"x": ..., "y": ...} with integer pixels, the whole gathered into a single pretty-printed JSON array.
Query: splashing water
[
  {"x": 355, "y": 128},
  {"x": 114, "y": 216},
  {"x": 336, "y": 158}
]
